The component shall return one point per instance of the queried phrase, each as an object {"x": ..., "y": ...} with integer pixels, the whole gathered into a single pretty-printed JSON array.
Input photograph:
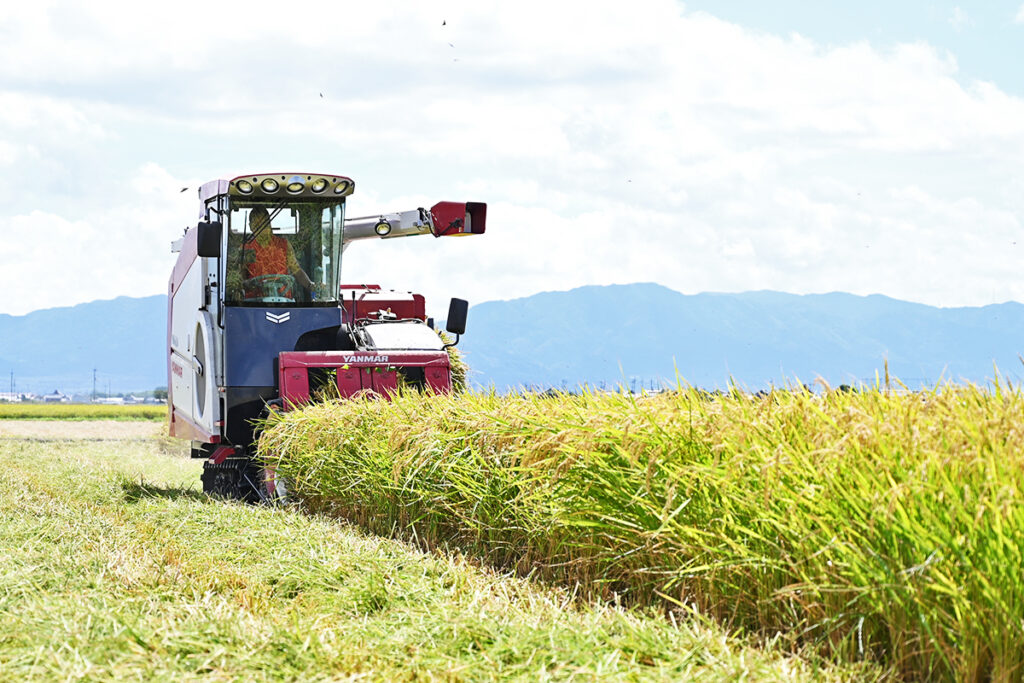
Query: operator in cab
[{"x": 265, "y": 255}]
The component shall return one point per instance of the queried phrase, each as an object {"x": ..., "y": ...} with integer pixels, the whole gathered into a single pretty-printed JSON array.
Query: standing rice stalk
[{"x": 877, "y": 525}]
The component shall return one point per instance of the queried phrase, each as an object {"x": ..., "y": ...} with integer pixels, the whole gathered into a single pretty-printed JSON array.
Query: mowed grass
[
  {"x": 80, "y": 411},
  {"x": 113, "y": 566},
  {"x": 870, "y": 526}
]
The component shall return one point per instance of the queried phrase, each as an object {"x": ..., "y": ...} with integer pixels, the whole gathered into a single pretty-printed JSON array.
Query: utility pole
[
  {"x": 94, "y": 385},
  {"x": 12, "y": 385}
]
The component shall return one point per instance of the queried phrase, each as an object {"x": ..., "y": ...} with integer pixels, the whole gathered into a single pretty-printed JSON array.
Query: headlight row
[{"x": 293, "y": 185}]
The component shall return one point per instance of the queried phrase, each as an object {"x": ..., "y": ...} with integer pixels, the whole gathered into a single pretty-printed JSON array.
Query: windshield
[{"x": 283, "y": 252}]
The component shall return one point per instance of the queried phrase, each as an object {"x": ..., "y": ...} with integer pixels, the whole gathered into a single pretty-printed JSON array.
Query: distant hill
[
  {"x": 616, "y": 334},
  {"x": 57, "y": 348}
]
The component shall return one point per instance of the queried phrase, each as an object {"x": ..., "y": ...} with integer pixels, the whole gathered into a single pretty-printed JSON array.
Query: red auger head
[{"x": 458, "y": 218}]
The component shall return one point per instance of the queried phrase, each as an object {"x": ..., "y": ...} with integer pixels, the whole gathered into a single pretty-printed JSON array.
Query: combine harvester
[{"x": 258, "y": 319}]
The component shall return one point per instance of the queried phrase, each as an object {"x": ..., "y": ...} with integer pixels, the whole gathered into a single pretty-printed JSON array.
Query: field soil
[
  {"x": 114, "y": 565},
  {"x": 95, "y": 430}
]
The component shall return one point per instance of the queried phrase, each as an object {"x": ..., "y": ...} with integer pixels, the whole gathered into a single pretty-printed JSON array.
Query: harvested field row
[
  {"x": 872, "y": 526},
  {"x": 94, "y": 430}
]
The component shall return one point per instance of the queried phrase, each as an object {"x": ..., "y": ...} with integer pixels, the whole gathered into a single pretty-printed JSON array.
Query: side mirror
[
  {"x": 208, "y": 239},
  {"x": 457, "y": 311}
]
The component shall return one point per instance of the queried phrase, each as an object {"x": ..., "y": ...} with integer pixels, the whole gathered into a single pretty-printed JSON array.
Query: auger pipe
[{"x": 444, "y": 219}]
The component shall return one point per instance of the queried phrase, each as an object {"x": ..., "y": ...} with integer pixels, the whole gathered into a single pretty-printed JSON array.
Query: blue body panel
[{"x": 252, "y": 339}]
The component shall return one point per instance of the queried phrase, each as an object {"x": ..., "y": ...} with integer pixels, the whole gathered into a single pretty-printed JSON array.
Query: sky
[{"x": 707, "y": 146}]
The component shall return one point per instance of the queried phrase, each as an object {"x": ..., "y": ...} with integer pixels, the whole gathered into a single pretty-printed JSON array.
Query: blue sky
[
  {"x": 722, "y": 146},
  {"x": 985, "y": 38}
]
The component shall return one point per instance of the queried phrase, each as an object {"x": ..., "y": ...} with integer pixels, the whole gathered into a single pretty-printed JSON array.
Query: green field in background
[{"x": 80, "y": 411}]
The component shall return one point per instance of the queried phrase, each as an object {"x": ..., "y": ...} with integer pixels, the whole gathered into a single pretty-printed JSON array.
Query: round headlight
[
  {"x": 319, "y": 185},
  {"x": 342, "y": 187},
  {"x": 295, "y": 188},
  {"x": 382, "y": 228},
  {"x": 269, "y": 185},
  {"x": 244, "y": 186}
]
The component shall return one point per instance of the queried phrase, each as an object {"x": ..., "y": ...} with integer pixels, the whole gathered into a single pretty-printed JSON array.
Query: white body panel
[
  {"x": 407, "y": 336},
  {"x": 194, "y": 351},
  {"x": 205, "y": 397},
  {"x": 185, "y": 305}
]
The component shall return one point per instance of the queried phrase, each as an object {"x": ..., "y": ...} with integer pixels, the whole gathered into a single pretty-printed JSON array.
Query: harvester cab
[{"x": 258, "y": 316}]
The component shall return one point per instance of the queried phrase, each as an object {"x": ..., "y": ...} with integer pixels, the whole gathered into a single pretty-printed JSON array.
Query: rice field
[
  {"x": 80, "y": 411},
  {"x": 871, "y": 527},
  {"x": 113, "y": 566}
]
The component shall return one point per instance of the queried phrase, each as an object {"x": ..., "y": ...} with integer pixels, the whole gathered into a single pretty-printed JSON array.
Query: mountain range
[
  {"x": 641, "y": 333},
  {"x": 638, "y": 335},
  {"x": 123, "y": 339}
]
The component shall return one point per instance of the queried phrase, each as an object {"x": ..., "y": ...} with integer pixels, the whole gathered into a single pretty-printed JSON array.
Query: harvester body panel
[
  {"x": 254, "y": 336},
  {"x": 355, "y": 373},
  {"x": 193, "y": 349}
]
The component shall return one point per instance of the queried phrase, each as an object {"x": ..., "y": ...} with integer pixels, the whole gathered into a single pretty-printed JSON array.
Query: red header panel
[{"x": 359, "y": 372}]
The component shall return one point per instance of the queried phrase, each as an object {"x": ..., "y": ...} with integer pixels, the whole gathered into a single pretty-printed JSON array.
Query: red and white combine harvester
[{"x": 258, "y": 317}]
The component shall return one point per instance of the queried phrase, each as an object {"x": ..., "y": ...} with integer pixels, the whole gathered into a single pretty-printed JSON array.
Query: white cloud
[
  {"x": 1020, "y": 15},
  {"x": 612, "y": 144},
  {"x": 59, "y": 260},
  {"x": 50, "y": 260}
]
